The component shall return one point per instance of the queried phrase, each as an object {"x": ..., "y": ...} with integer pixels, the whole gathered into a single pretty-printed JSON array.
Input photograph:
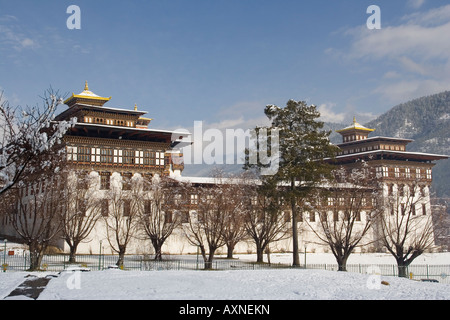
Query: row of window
[
  {"x": 354, "y": 137},
  {"x": 115, "y": 156},
  {"x": 409, "y": 209},
  {"x": 112, "y": 122},
  {"x": 370, "y": 148},
  {"x": 406, "y": 173}
]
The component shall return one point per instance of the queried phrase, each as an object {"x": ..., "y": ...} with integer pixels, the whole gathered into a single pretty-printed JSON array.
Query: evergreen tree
[{"x": 303, "y": 144}]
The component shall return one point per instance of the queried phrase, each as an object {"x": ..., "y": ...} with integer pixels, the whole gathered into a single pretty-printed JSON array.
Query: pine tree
[{"x": 303, "y": 144}]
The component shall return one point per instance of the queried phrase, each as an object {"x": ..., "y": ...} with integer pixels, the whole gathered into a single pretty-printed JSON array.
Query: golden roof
[
  {"x": 355, "y": 126},
  {"x": 86, "y": 94}
]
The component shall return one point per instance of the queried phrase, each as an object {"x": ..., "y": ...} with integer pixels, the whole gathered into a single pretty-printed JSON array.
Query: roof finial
[
  {"x": 135, "y": 107},
  {"x": 86, "y": 88},
  {"x": 354, "y": 119}
]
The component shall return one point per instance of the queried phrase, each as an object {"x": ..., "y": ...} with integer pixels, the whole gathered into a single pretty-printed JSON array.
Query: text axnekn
[{"x": 250, "y": 309}]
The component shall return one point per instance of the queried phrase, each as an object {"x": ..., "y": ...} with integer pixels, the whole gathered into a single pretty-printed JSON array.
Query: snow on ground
[
  {"x": 280, "y": 284},
  {"x": 276, "y": 284}
]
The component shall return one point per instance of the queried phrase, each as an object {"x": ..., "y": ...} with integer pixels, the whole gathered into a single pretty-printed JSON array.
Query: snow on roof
[
  {"x": 181, "y": 133},
  {"x": 375, "y": 139},
  {"x": 391, "y": 151}
]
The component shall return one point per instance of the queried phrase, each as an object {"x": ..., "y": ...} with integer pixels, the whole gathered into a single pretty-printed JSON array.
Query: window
[
  {"x": 168, "y": 218},
  {"x": 95, "y": 154},
  {"x": 407, "y": 173},
  {"x": 72, "y": 153},
  {"x": 104, "y": 180},
  {"x": 118, "y": 156},
  {"x": 330, "y": 202},
  {"x": 84, "y": 154},
  {"x": 126, "y": 181},
  {"x": 382, "y": 172},
  {"x": 194, "y": 198},
  {"x": 401, "y": 190},
  {"x": 139, "y": 157},
  {"x": 418, "y": 176},
  {"x": 126, "y": 208},
  {"x": 128, "y": 156},
  {"x": 105, "y": 207},
  {"x": 106, "y": 155},
  {"x": 159, "y": 158},
  {"x": 397, "y": 172},
  {"x": 185, "y": 217},
  {"x": 81, "y": 207},
  {"x": 428, "y": 174},
  {"x": 335, "y": 215},
  {"x": 424, "y": 209},
  {"x": 82, "y": 181},
  {"x": 147, "y": 207},
  {"x": 390, "y": 190}
]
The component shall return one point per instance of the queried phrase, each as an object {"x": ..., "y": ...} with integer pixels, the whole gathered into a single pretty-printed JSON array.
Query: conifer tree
[{"x": 303, "y": 144}]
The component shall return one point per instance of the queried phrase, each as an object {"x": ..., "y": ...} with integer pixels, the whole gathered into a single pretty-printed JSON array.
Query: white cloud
[
  {"x": 416, "y": 54},
  {"x": 11, "y": 37},
  {"x": 327, "y": 115},
  {"x": 431, "y": 17},
  {"x": 416, "y": 4}
]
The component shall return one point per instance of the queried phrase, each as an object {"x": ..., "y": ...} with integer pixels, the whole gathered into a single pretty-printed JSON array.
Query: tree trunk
[
  {"x": 230, "y": 249},
  {"x": 295, "y": 254},
  {"x": 35, "y": 260},
  {"x": 121, "y": 257},
  {"x": 209, "y": 261},
  {"x": 259, "y": 253},
  {"x": 342, "y": 262},
  {"x": 35, "y": 256},
  {"x": 402, "y": 268},
  {"x": 157, "y": 245},
  {"x": 73, "y": 252}
]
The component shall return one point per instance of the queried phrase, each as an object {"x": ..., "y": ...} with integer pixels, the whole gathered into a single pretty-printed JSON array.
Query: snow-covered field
[
  {"x": 277, "y": 284},
  {"x": 282, "y": 284}
]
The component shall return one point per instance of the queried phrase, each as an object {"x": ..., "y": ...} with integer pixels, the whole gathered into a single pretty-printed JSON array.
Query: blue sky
[{"x": 222, "y": 61}]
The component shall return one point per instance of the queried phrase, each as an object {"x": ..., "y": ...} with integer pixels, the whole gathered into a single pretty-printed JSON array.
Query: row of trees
[{"x": 213, "y": 215}]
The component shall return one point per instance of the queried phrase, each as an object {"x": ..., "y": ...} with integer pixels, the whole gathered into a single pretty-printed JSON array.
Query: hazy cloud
[{"x": 416, "y": 51}]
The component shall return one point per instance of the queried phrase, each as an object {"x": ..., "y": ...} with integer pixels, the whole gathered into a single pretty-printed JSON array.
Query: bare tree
[
  {"x": 26, "y": 134},
  {"x": 81, "y": 210},
  {"x": 345, "y": 211},
  {"x": 206, "y": 225},
  {"x": 35, "y": 214},
  {"x": 122, "y": 220},
  {"x": 265, "y": 220},
  {"x": 161, "y": 208},
  {"x": 407, "y": 223},
  {"x": 234, "y": 190}
]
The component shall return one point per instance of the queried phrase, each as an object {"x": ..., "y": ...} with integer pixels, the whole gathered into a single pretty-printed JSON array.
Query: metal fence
[{"x": 440, "y": 273}]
